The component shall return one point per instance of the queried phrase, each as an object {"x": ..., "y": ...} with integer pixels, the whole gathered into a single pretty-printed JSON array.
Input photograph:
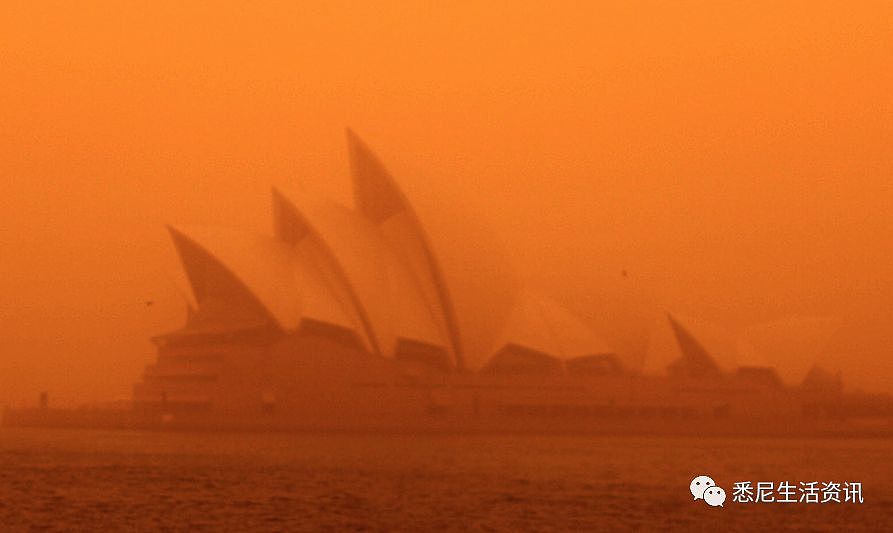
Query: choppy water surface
[{"x": 105, "y": 480}]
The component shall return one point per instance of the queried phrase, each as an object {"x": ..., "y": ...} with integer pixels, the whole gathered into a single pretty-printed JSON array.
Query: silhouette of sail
[{"x": 695, "y": 360}]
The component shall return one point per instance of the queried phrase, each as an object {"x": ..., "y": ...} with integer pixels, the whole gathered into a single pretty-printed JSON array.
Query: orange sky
[{"x": 733, "y": 157}]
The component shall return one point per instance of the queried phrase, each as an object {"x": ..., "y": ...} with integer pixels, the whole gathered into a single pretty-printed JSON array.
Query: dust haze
[{"x": 730, "y": 163}]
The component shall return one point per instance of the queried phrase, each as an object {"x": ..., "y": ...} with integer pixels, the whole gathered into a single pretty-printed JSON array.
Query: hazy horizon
[{"x": 734, "y": 161}]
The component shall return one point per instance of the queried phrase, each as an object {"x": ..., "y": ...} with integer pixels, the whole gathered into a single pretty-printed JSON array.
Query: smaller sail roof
[
  {"x": 820, "y": 379},
  {"x": 262, "y": 266},
  {"x": 794, "y": 343},
  {"x": 540, "y": 324},
  {"x": 678, "y": 340}
]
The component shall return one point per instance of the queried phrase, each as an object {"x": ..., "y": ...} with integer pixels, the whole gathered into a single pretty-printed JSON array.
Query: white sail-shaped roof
[
  {"x": 678, "y": 338},
  {"x": 248, "y": 274},
  {"x": 326, "y": 291},
  {"x": 382, "y": 288},
  {"x": 472, "y": 264},
  {"x": 381, "y": 201},
  {"x": 540, "y": 324}
]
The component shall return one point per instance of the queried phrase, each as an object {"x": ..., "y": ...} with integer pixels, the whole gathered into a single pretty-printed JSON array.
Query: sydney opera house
[
  {"x": 353, "y": 309},
  {"x": 385, "y": 316},
  {"x": 374, "y": 317}
]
